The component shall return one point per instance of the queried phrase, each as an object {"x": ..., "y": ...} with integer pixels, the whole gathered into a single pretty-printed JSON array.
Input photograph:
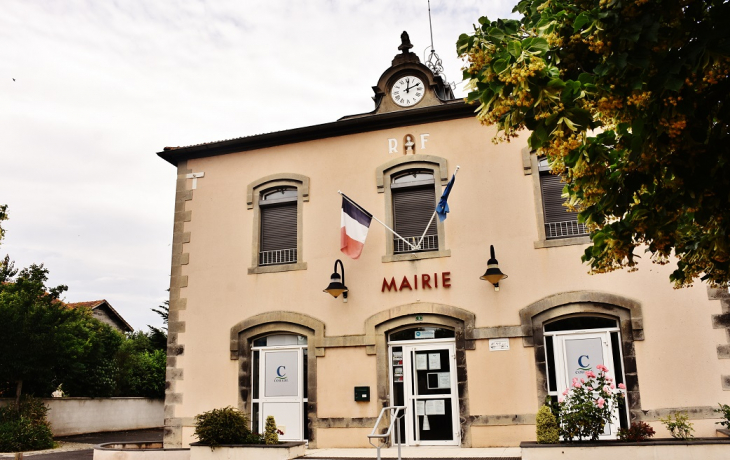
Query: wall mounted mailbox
[{"x": 362, "y": 393}]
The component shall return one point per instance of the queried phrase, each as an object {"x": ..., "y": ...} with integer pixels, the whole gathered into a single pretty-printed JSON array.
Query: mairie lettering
[{"x": 427, "y": 281}]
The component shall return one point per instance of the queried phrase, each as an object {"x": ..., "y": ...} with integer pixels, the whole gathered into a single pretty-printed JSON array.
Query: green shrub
[
  {"x": 637, "y": 432},
  {"x": 547, "y": 426},
  {"x": 271, "y": 434},
  {"x": 725, "y": 411},
  {"x": 25, "y": 427},
  {"x": 224, "y": 426},
  {"x": 680, "y": 427}
]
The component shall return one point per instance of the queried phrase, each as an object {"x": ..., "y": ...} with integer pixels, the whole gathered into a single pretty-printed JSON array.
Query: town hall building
[{"x": 416, "y": 322}]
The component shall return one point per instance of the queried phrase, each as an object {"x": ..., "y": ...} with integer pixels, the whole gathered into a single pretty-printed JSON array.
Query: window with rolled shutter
[
  {"x": 278, "y": 227},
  {"x": 414, "y": 202},
  {"x": 559, "y": 221}
]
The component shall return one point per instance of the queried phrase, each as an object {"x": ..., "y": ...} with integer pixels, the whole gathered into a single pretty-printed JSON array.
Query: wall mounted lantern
[
  {"x": 336, "y": 286},
  {"x": 493, "y": 274}
]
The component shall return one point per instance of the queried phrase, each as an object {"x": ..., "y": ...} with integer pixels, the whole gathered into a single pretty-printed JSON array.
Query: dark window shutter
[
  {"x": 552, "y": 201},
  {"x": 412, "y": 209},
  {"x": 279, "y": 227}
]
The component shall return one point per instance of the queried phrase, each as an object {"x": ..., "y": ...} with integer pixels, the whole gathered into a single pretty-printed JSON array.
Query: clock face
[{"x": 408, "y": 91}]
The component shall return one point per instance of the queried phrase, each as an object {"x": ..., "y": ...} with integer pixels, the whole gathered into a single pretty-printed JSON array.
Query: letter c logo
[
  {"x": 580, "y": 360},
  {"x": 279, "y": 371}
]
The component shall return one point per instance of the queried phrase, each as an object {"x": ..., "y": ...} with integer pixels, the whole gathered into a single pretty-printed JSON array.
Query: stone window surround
[
  {"x": 253, "y": 191},
  {"x": 530, "y": 164},
  {"x": 383, "y": 177},
  {"x": 625, "y": 310},
  {"x": 245, "y": 332}
]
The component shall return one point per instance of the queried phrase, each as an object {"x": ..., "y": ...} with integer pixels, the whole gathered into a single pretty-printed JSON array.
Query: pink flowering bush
[{"x": 588, "y": 405}]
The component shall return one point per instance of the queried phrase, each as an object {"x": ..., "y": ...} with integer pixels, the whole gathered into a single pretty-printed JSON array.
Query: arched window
[
  {"x": 577, "y": 344},
  {"x": 414, "y": 202},
  {"x": 277, "y": 204},
  {"x": 412, "y": 186},
  {"x": 559, "y": 221},
  {"x": 278, "y": 233}
]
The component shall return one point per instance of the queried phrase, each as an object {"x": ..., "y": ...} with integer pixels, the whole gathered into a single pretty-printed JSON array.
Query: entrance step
[
  {"x": 417, "y": 453},
  {"x": 413, "y": 458}
]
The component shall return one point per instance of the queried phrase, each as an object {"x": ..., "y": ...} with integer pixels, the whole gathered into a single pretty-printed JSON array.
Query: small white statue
[
  {"x": 409, "y": 145},
  {"x": 58, "y": 393}
]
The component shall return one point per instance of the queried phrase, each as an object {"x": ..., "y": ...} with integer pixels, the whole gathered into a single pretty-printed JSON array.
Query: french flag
[{"x": 355, "y": 223}]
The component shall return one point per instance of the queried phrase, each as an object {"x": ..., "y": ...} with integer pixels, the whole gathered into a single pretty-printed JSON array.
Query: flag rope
[
  {"x": 376, "y": 219},
  {"x": 418, "y": 246}
]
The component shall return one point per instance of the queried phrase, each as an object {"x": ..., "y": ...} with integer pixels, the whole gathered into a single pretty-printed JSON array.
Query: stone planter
[
  {"x": 665, "y": 449},
  {"x": 138, "y": 451},
  {"x": 281, "y": 451}
]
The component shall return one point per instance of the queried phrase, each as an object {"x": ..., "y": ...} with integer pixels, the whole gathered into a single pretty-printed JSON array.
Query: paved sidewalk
[
  {"x": 414, "y": 453},
  {"x": 81, "y": 447}
]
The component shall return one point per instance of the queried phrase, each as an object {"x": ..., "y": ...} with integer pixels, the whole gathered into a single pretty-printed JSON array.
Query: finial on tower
[{"x": 405, "y": 42}]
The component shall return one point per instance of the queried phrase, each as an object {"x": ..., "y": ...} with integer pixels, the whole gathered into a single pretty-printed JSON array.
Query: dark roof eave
[{"x": 449, "y": 111}]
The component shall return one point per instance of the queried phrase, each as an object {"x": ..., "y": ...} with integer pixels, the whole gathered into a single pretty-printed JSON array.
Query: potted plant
[{"x": 225, "y": 434}]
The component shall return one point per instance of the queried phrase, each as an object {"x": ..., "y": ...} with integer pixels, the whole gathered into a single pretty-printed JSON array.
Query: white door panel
[{"x": 288, "y": 416}]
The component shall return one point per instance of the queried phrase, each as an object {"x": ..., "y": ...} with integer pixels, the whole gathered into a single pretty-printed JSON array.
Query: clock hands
[{"x": 409, "y": 87}]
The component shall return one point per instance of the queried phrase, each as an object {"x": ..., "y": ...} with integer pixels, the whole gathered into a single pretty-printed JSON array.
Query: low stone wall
[
  {"x": 282, "y": 451},
  {"x": 70, "y": 416},
  {"x": 699, "y": 448},
  {"x": 138, "y": 451}
]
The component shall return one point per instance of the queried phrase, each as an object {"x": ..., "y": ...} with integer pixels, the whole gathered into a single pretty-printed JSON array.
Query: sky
[{"x": 91, "y": 90}]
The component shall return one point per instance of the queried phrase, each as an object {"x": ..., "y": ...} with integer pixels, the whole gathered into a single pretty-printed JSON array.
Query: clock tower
[{"x": 409, "y": 84}]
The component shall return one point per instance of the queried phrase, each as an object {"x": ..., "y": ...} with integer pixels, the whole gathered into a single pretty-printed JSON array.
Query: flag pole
[
  {"x": 418, "y": 246},
  {"x": 377, "y": 220}
]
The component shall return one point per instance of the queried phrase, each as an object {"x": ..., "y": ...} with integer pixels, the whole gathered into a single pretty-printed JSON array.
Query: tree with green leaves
[
  {"x": 95, "y": 373},
  {"x": 39, "y": 332},
  {"x": 141, "y": 367},
  {"x": 158, "y": 336},
  {"x": 628, "y": 100}
]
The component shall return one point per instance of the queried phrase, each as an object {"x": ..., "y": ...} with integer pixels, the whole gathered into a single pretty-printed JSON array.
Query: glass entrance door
[
  {"x": 429, "y": 390},
  {"x": 577, "y": 353},
  {"x": 279, "y": 387}
]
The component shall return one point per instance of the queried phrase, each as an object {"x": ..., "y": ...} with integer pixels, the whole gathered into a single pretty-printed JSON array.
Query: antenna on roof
[{"x": 433, "y": 62}]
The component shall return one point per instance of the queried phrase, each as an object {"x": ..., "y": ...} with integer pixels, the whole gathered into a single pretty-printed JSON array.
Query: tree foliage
[
  {"x": 39, "y": 333},
  {"x": 141, "y": 367},
  {"x": 95, "y": 373},
  {"x": 46, "y": 344},
  {"x": 158, "y": 336},
  {"x": 628, "y": 100}
]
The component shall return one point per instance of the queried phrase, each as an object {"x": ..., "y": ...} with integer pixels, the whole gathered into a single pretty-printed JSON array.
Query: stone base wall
[{"x": 69, "y": 416}]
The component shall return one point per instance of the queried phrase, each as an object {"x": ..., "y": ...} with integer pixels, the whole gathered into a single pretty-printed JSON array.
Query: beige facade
[{"x": 673, "y": 343}]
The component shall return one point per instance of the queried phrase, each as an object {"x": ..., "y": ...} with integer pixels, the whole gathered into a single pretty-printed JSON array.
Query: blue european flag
[{"x": 443, "y": 207}]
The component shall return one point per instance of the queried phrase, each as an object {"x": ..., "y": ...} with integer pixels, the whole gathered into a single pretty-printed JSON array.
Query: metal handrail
[{"x": 394, "y": 417}]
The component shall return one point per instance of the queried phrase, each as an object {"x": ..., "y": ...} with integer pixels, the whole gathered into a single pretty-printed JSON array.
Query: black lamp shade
[
  {"x": 493, "y": 274},
  {"x": 335, "y": 287}
]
